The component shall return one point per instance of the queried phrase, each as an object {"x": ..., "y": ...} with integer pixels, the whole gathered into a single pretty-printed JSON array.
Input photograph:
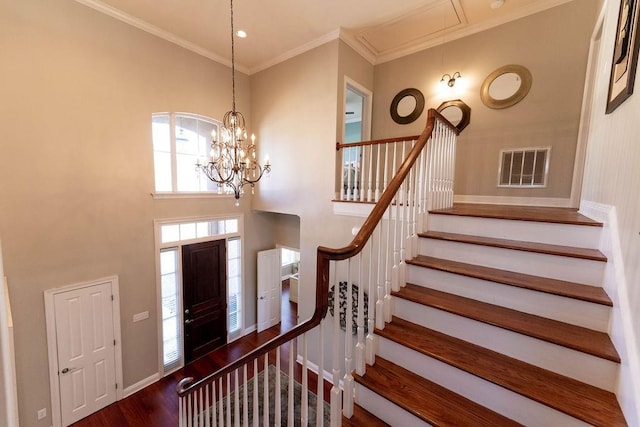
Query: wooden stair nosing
[
  {"x": 425, "y": 399},
  {"x": 362, "y": 417},
  {"x": 587, "y": 293},
  {"x": 542, "y": 248},
  {"x": 551, "y": 215},
  {"x": 577, "y": 399},
  {"x": 578, "y": 338}
]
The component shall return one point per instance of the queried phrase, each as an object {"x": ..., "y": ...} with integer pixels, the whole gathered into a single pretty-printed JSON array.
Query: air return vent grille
[{"x": 524, "y": 167}]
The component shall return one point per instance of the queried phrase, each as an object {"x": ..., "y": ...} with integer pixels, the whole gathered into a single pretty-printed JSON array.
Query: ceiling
[{"x": 380, "y": 30}]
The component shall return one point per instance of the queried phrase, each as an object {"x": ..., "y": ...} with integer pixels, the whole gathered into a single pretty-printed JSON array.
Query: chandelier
[{"x": 232, "y": 161}]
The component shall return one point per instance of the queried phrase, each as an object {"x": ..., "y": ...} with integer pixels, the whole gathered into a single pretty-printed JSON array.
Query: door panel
[
  {"x": 205, "y": 297},
  {"x": 269, "y": 288},
  {"x": 86, "y": 350}
]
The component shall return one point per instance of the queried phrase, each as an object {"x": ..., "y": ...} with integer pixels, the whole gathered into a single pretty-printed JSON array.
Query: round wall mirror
[
  {"x": 407, "y": 106},
  {"x": 456, "y": 112},
  {"x": 506, "y": 86}
]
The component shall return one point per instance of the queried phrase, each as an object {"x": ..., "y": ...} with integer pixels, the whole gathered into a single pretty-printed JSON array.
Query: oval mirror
[
  {"x": 407, "y": 106},
  {"x": 456, "y": 112},
  {"x": 506, "y": 86}
]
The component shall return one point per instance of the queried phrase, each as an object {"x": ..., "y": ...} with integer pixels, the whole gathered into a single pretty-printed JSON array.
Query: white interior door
[
  {"x": 86, "y": 350},
  {"x": 269, "y": 289}
]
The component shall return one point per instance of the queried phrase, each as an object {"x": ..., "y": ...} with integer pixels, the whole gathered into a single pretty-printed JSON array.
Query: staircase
[{"x": 503, "y": 321}]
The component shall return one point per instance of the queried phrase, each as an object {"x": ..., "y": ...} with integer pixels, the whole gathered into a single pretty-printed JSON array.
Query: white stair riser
[
  {"x": 553, "y": 266},
  {"x": 386, "y": 410},
  {"x": 571, "y": 363},
  {"x": 496, "y": 398},
  {"x": 568, "y": 310},
  {"x": 527, "y": 231}
]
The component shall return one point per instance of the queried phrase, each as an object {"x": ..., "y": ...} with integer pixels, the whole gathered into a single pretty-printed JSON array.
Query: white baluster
[
  {"x": 207, "y": 409},
  {"x": 386, "y": 166},
  {"x": 256, "y": 385},
  {"x": 181, "y": 416},
  {"x": 403, "y": 197},
  {"x": 236, "y": 406},
  {"x": 189, "y": 411},
  {"x": 265, "y": 391},
  {"x": 378, "y": 173},
  {"x": 395, "y": 275},
  {"x": 278, "y": 402},
  {"x": 304, "y": 410},
  {"x": 343, "y": 194},
  {"x": 370, "y": 175},
  {"x": 320, "y": 388},
  {"x": 290, "y": 401},
  {"x": 356, "y": 174},
  {"x": 370, "y": 347},
  {"x": 347, "y": 395},
  {"x": 214, "y": 418},
  {"x": 220, "y": 404},
  {"x": 228, "y": 422},
  {"x": 336, "y": 397},
  {"x": 379, "y": 282},
  {"x": 245, "y": 396},
  {"x": 360, "y": 346},
  {"x": 387, "y": 269}
]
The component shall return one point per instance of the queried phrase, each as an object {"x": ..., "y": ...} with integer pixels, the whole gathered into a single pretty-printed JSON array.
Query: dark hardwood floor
[{"x": 157, "y": 404}]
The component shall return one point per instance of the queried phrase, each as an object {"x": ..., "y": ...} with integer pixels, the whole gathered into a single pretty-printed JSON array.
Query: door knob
[
  {"x": 188, "y": 321},
  {"x": 261, "y": 298},
  {"x": 67, "y": 370},
  {"x": 186, "y": 311}
]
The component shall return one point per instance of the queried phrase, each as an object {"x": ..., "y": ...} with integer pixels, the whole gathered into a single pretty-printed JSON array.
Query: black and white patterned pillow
[{"x": 342, "y": 306}]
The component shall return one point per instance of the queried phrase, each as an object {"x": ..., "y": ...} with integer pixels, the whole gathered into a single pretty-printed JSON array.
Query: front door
[
  {"x": 86, "y": 350},
  {"x": 205, "y": 297}
]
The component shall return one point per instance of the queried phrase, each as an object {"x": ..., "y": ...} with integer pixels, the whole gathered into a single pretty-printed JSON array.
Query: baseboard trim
[
  {"x": 140, "y": 385},
  {"x": 516, "y": 201},
  {"x": 622, "y": 322}
]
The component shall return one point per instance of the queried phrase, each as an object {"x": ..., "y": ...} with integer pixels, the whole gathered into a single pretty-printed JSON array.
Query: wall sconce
[{"x": 450, "y": 80}]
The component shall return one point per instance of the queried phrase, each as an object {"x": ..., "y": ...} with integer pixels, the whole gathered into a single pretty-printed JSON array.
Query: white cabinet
[{"x": 293, "y": 288}]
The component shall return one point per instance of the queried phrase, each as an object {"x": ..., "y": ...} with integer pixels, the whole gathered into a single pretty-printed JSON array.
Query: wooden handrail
[
  {"x": 398, "y": 139},
  {"x": 324, "y": 256},
  {"x": 376, "y": 142}
]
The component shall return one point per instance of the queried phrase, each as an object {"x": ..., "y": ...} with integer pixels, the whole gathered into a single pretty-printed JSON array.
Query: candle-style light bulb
[
  {"x": 213, "y": 134},
  {"x": 253, "y": 138}
]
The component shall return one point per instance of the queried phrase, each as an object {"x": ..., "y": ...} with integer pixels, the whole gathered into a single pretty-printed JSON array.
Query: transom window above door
[{"x": 179, "y": 141}]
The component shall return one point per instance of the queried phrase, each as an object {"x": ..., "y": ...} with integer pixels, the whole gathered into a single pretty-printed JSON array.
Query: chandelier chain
[{"x": 233, "y": 65}]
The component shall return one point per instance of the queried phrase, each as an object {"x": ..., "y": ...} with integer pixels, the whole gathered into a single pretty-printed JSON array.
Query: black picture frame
[{"x": 625, "y": 55}]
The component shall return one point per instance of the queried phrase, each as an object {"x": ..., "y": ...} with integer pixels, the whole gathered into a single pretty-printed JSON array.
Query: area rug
[{"x": 284, "y": 401}]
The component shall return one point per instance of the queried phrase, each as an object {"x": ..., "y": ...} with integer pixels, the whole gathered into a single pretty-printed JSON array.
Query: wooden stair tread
[
  {"x": 583, "y": 401},
  {"x": 575, "y": 337},
  {"x": 568, "y": 251},
  {"x": 361, "y": 417},
  {"x": 594, "y": 294},
  {"x": 519, "y": 213},
  {"x": 426, "y": 400}
]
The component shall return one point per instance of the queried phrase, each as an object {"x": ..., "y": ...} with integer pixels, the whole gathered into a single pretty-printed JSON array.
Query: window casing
[
  {"x": 170, "y": 237},
  {"x": 179, "y": 141}
]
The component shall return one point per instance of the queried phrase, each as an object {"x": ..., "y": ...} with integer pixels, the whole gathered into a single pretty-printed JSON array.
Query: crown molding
[
  {"x": 353, "y": 41},
  {"x": 296, "y": 51},
  {"x": 470, "y": 30},
  {"x": 158, "y": 32}
]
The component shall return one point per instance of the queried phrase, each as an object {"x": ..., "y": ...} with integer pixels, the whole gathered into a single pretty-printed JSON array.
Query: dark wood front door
[{"x": 205, "y": 297}]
